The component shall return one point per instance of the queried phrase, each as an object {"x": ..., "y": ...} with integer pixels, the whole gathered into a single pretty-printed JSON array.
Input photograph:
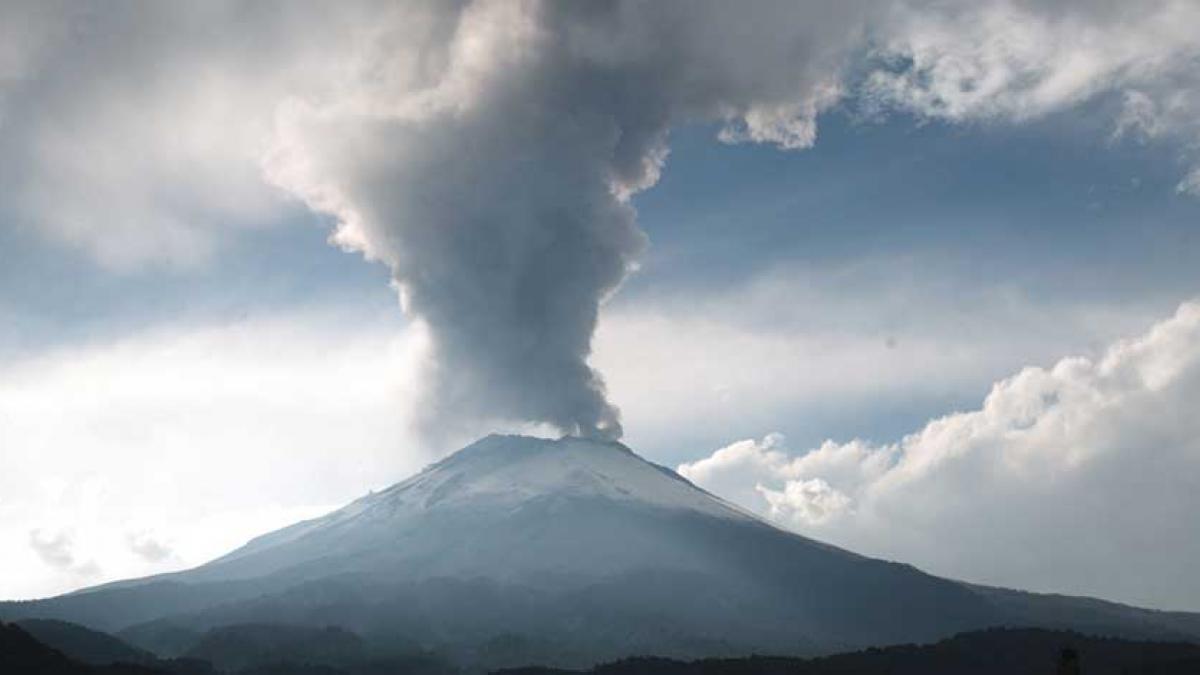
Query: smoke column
[
  {"x": 497, "y": 190},
  {"x": 487, "y": 151}
]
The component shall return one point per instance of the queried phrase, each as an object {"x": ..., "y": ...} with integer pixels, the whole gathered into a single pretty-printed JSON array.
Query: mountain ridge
[{"x": 580, "y": 551}]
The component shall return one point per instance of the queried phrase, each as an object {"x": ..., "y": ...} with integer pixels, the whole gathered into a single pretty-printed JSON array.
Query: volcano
[{"x": 518, "y": 550}]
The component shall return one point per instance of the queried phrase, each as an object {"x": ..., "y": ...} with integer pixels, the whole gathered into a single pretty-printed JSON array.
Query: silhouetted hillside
[
  {"x": 244, "y": 646},
  {"x": 167, "y": 639},
  {"x": 267, "y": 649},
  {"x": 83, "y": 644},
  {"x": 411, "y": 666},
  {"x": 291, "y": 650},
  {"x": 990, "y": 652},
  {"x": 22, "y": 654}
]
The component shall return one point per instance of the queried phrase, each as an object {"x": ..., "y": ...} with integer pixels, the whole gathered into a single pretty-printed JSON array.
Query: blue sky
[
  {"x": 982, "y": 199},
  {"x": 1012, "y": 204}
]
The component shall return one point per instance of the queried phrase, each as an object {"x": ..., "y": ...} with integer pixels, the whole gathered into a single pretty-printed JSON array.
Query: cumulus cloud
[
  {"x": 749, "y": 471},
  {"x": 487, "y": 151},
  {"x": 1012, "y": 60},
  {"x": 1083, "y": 477}
]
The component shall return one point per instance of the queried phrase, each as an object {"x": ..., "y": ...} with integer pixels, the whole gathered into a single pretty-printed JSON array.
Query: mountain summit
[
  {"x": 519, "y": 550},
  {"x": 504, "y": 507}
]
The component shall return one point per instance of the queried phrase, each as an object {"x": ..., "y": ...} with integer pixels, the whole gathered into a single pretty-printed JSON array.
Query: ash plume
[
  {"x": 487, "y": 151},
  {"x": 498, "y": 188}
]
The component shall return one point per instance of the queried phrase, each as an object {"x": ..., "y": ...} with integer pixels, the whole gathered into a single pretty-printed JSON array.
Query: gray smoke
[
  {"x": 486, "y": 151},
  {"x": 498, "y": 192}
]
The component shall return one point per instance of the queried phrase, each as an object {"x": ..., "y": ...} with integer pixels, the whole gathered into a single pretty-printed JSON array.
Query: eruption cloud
[
  {"x": 498, "y": 190},
  {"x": 487, "y": 151}
]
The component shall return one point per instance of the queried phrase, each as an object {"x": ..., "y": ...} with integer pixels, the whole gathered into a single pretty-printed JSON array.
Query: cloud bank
[
  {"x": 1083, "y": 477},
  {"x": 487, "y": 152}
]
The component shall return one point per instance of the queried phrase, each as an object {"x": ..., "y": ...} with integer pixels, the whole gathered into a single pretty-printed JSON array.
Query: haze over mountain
[{"x": 518, "y": 550}]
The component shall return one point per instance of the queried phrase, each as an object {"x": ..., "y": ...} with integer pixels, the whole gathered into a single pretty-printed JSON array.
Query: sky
[{"x": 917, "y": 279}]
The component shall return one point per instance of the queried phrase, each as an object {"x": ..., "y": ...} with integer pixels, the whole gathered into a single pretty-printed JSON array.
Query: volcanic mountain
[{"x": 518, "y": 550}]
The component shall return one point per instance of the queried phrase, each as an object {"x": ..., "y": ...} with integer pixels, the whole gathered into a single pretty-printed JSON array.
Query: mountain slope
[
  {"x": 460, "y": 517},
  {"x": 23, "y": 654},
  {"x": 517, "y": 550},
  {"x": 82, "y": 644},
  {"x": 234, "y": 648},
  {"x": 989, "y": 652}
]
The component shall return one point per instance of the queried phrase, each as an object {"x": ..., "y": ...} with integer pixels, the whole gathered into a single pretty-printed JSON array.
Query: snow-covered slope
[
  {"x": 503, "y": 471},
  {"x": 503, "y": 507},
  {"x": 506, "y": 472}
]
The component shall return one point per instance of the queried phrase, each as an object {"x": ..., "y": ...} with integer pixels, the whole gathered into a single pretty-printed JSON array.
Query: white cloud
[
  {"x": 1013, "y": 61},
  {"x": 831, "y": 343},
  {"x": 1082, "y": 478},
  {"x": 137, "y": 133},
  {"x": 813, "y": 500},
  {"x": 116, "y": 145},
  {"x": 167, "y": 448},
  {"x": 1021, "y": 59}
]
